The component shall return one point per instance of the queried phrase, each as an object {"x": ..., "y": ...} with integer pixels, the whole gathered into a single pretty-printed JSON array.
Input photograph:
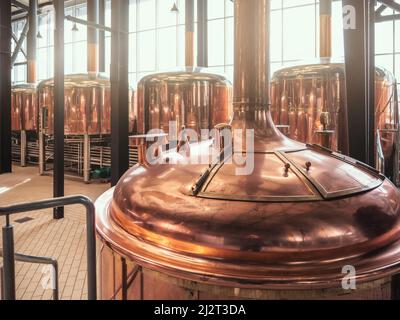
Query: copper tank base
[{"x": 118, "y": 273}]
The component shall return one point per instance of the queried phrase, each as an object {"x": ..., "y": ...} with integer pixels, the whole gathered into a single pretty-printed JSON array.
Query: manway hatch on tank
[{"x": 287, "y": 177}]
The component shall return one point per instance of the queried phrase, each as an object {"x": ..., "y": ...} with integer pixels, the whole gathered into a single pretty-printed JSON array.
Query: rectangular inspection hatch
[{"x": 24, "y": 220}]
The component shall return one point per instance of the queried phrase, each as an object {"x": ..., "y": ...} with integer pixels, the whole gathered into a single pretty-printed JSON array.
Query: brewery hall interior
[{"x": 199, "y": 149}]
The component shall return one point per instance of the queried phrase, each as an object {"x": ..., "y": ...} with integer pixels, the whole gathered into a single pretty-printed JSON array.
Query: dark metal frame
[
  {"x": 387, "y": 4},
  {"x": 59, "y": 170},
  {"x": 360, "y": 73},
  {"x": 5, "y": 86},
  {"x": 8, "y": 239},
  {"x": 19, "y": 43},
  {"x": 119, "y": 89}
]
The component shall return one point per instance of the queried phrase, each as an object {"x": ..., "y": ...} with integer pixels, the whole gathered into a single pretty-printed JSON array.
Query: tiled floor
[{"x": 64, "y": 240}]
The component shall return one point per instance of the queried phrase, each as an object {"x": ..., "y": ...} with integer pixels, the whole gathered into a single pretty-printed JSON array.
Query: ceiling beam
[
  {"x": 387, "y": 18},
  {"x": 391, "y": 4},
  {"x": 20, "y": 5}
]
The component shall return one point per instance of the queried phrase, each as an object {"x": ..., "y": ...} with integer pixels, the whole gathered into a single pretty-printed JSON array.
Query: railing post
[
  {"x": 8, "y": 243},
  {"x": 8, "y": 261},
  {"x": 2, "y": 283},
  {"x": 56, "y": 284},
  {"x": 91, "y": 248}
]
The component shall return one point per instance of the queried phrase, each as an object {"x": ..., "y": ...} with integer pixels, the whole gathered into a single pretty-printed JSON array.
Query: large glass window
[
  {"x": 156, "y": 40},
  {"x": 220, "y": 36},
  {"x": 75, "y": 41},
  {"x": 18, "y": 73},
  {"x": 388, "y": 45},
  {"x": 157, "y": 37}
]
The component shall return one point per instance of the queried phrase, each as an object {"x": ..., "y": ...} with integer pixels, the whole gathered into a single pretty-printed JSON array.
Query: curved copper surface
[
  {"x": 24, "y": 110},
  {"x": 302, "y": 96},
  {"x": 193, "y": 97},
  {"x": 301, "y": 215},
  {"x": 87, "y": 105}
]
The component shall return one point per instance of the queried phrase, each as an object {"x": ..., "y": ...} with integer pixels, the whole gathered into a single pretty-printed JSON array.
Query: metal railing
[
  {"x": 35, "y": 260},
  {"x": 9, "y": 256}
]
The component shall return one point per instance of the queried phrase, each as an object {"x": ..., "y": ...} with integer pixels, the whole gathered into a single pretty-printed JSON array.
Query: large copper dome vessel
[
  {"x": 308, "y": 103},
  {"x": 193, "y": 97},
  {"x": 87, "y": 105},
  {"x": 24, "y": 110},
  {"x": 287, "y": 229}
]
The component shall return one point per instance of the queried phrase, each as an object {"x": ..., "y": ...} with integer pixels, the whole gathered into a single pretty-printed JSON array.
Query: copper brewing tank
[
  {"x": 286, "y": 230},
  {"x": 24, "y": 111},
  {"x": 193, "y": 97},
  {"x": 308, "y": 103},
  {"x": 87, "y": 105}
]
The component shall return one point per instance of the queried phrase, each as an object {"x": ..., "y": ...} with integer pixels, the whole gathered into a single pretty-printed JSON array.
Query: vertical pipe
[
  {"x": 5, "y": 86},
  {"x": 42, "y": 151},
  {"x": 119, "y": 89},
  {"x": 31, "y": 63},
  {"x": 58, "y": 179},
  {"x": 31, "y": 41},
  {"x": 102, "y": 39},
  {"x": 189, "y": 33},
  {"x": 202, "y": 33},
  {"x": 358, "y": 45},
  {"x": 86, "y": 158},
  {"x": 23, "y": 148},
  {"x": 92, "y": 36},
  {"x": 325, "y": 34},
  {"x": 251, "y": 54},
  {"x": 8, "y": 262}
]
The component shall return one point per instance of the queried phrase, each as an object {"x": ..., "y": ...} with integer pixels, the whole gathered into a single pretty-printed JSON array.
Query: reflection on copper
[
  {"x": 314, "y": 96},
  {"x": 87, "y": 105},
  {"x": 285, "y": 230},
  {"x": 24, "y": 111},
  {"x": 194, "y": 98}
]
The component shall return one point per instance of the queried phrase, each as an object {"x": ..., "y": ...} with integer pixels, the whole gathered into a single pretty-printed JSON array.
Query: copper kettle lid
[{"x": 301, "y": 215}]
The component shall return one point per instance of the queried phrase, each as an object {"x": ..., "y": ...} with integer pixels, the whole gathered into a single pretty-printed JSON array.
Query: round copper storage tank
[
  {"x": 309, "y": 101},
  {"x": 288, "y": 228},
  {"x": 24, "y": 110},
  {"x": 194, "y": 98},
  {"x": 87, "y": 105}
]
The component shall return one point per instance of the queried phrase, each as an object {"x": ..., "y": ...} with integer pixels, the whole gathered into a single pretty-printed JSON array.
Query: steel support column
[
  {"x": 119, "y": 89},
  {"x": 58, "y": 178},
  {"x": 92, "y": 36},
  {"x": 360, "y": 64},
  {"x": 202, "y": 33},
  {"x": 189, "y": 33},
  {"x": 102, "y": 36},
  {"x": 5, "y": 86}
]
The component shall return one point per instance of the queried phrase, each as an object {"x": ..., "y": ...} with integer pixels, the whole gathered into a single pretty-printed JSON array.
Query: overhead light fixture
[
  {"x": 75, "y": 27},
  {"x": 39, "y": 35},
  {"x": 175, "y": 8}
]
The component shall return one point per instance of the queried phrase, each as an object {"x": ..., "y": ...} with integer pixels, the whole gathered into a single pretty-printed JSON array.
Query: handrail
[
  {"x": 39, "y": 260},
  {"x": 8, "y": 239}
]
